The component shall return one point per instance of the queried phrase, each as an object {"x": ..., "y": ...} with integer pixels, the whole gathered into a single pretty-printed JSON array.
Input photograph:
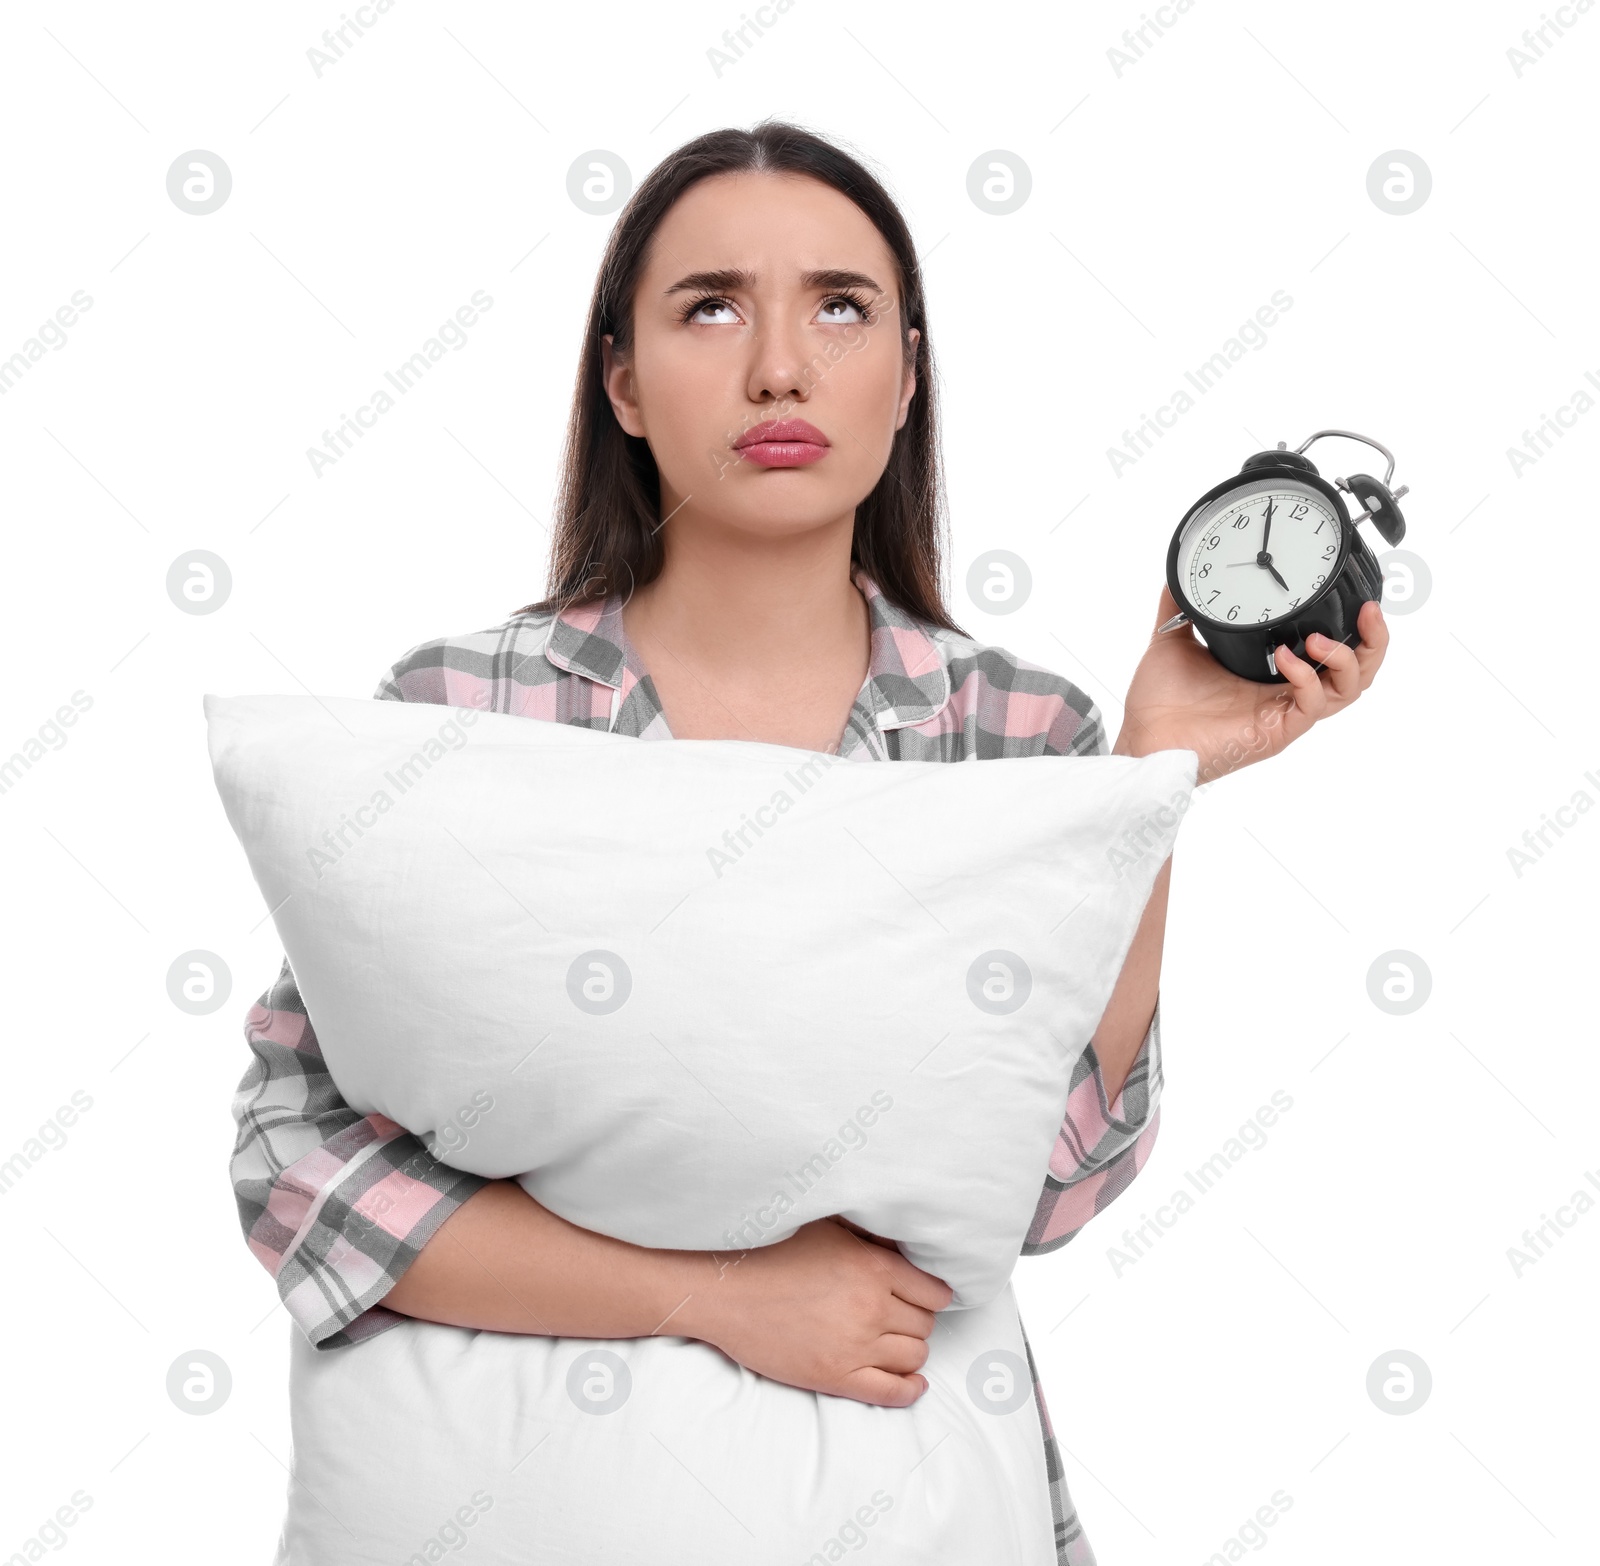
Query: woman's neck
[{"x": 754, "y": 639}]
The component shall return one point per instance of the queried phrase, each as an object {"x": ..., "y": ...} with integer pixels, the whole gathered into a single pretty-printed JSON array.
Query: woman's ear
[
  {"x": 617, "y": 379},
  {"x": 908, "y": 385}
]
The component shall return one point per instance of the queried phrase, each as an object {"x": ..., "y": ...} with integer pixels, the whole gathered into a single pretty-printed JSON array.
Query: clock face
[{"x": 1259, "y": 552}]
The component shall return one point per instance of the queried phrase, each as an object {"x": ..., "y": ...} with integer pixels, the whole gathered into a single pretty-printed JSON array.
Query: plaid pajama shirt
[{"x": 336, "y": 1205}]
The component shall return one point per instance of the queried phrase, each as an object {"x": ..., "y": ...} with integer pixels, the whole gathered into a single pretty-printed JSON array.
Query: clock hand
[
  {"x": 1266, "y": 528},
  {"x": 1264, "y": 560}
]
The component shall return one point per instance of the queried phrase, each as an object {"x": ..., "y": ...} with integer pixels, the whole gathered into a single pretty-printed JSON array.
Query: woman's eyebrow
[{"x": 730, "y": 279}]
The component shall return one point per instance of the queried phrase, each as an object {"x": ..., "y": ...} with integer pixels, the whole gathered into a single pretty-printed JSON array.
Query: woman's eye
[
  {"x": 832, "y": 307},
  {"x": 697, "y": 314}
]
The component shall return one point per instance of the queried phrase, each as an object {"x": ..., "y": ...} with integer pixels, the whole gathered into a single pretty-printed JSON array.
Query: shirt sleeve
[
  {"x": 1101, "y": 1146},
  {"x": 334, "y": 1204}
]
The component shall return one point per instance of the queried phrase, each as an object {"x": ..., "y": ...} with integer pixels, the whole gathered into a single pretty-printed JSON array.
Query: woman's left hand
[{"x": 1182, "y": 698}]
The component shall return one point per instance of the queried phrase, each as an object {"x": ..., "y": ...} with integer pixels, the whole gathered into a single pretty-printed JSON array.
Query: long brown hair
[{"x": 608, "y": 505}]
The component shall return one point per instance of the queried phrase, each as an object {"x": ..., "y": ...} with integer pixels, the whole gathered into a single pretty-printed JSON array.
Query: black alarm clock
[{"x": 1271, "y": 556}]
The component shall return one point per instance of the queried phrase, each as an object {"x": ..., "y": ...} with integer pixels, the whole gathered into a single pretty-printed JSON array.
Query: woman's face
[{"x": 765, "y": 297}]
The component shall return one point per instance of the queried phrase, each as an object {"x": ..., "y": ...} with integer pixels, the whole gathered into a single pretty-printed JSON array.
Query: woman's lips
[{"x": 783, "y": 443}]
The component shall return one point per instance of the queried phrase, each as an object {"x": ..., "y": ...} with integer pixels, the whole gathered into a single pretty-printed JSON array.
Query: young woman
[{"x": 747, "y": 546}]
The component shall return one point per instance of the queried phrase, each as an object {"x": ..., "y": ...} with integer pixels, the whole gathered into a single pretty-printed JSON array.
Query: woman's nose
[{"x": 779, "y": 359}]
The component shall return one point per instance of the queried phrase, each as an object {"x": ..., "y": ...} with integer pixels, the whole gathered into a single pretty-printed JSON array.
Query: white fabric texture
[{"x": 691, "y": 994}]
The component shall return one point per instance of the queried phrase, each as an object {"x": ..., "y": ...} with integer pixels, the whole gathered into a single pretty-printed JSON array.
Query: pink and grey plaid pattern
[{"x": 336, "y": 1205}]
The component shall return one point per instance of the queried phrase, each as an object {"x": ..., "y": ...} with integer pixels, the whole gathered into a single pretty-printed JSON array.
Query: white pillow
[
  {"x": 695, "y": 994},
  {"x": 691, "y": 994}
]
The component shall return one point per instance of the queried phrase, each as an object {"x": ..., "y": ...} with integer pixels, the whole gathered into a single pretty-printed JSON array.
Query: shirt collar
[{"x": 908, "y": 675}]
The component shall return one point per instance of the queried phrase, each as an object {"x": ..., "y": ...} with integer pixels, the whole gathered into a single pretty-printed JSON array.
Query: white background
[{"x": 1168, "y": 202}]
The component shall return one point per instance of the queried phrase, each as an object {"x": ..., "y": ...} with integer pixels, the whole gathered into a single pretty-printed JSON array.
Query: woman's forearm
[
  {"x": 826, "y": 1309},
  {"x": 504, "y": 1263}
]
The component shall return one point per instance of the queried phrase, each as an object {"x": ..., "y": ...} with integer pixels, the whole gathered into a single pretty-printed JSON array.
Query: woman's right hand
[{"x": 831, "y": 1309}]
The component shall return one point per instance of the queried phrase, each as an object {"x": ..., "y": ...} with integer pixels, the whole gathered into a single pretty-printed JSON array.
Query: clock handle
[
  {"x": 1366, "y": 440},
  {"x": 1374, "y": 496},
  {"x": 1171, "y": 625}
]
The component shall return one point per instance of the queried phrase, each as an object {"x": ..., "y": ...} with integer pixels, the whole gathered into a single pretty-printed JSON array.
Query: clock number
[
  {"x": 1244, "y": 520},
  {"x": 1298, "y": 512},
  {"x": 1233, "y": 613},
  {"x": 1264, "y": 615},
  {"x": 1295, "y": 602},
  {"x": 1213, "y": 541},
  {"x": 1216, "y": 592},
  {"x": 1319, "y": 527},
  {"x": 1205, "y": 568},
  {"x": 1318, "y": 582},
  {"x": 1329, "y": 552}
]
